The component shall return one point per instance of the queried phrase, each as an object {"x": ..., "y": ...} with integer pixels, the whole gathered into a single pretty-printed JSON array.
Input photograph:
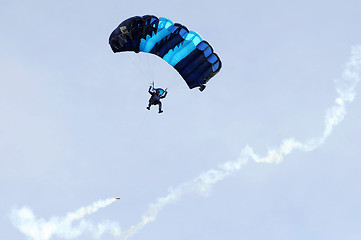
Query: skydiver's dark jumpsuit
[{"x": 155, "y": 99}]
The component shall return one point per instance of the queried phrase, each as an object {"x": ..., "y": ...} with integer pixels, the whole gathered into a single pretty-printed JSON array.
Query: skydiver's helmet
[{"x": 159, "y": 91}]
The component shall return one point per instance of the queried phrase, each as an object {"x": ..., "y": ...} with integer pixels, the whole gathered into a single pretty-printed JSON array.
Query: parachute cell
[{"x": 185, "y": 50}]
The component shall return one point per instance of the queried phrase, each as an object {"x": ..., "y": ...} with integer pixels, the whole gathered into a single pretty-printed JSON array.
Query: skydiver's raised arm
[
  {"x": 164, "y": 95},
  {"x": 150, "y": 87}
]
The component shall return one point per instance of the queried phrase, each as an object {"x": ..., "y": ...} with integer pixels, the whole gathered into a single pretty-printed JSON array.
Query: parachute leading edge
[{"x": 185, "y": 50}]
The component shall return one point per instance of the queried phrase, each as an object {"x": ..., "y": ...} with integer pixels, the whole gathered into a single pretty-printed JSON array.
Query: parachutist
[{"x": 157, "y": 94}]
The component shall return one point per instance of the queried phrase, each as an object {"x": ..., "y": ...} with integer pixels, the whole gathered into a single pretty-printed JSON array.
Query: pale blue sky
[{"x": 74, "y": 128}]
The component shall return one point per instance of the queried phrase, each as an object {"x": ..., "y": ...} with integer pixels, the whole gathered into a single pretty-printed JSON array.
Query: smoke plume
[
  {"x": 39, "y": 229},
  {"x": 62, "y": 227}
]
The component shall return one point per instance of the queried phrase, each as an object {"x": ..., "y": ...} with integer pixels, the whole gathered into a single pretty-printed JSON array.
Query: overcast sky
[{"x": 74, "y": 128}]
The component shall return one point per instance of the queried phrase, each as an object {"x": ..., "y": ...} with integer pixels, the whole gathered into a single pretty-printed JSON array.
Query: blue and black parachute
[{"x": 185, "y": 50}]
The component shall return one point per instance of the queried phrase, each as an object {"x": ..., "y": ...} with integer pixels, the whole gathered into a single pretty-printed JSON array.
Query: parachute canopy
[{"x": 185, "y": 50}]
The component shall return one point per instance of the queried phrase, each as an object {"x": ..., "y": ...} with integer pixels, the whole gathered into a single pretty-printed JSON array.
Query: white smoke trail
[
  {"x": 335, "y": 114},
  {"x": 38, "y": 229}
]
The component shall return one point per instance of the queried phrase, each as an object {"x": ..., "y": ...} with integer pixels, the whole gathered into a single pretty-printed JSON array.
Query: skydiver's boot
[
  {"x": 148, "y": 108},
  {"x": 160, "y": 111}
]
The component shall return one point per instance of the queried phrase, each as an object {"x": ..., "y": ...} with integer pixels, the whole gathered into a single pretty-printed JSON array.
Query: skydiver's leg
[
  {"x": 160, "y": 107},
  {"x": 149, "y": 104}
]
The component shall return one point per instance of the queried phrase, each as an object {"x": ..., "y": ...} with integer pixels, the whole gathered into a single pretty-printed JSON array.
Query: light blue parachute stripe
[
  {"x": 165, "y": 27},
  {"x": 207, "y": 52},
  {"x": 202, "y": 46},
  {"x": 215, "y": 66},
  {"x": 212, "y": 59},
  {"x": 192, "y": 39}
]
